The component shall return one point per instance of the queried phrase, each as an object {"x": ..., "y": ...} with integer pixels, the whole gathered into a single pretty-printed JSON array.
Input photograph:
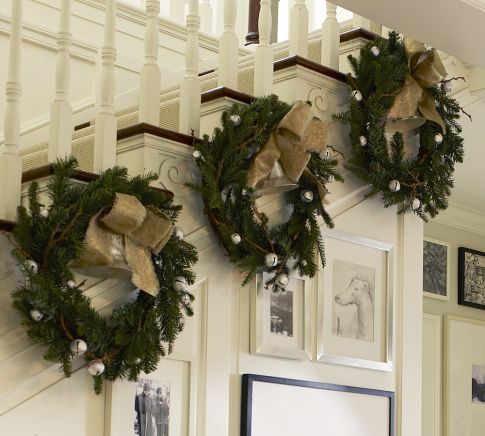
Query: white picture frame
[
  {"x": 288, "y": 407},
  {"x": 350, "y": 332},
  {"x": 433, "y": 263},
  {"x": 464, "y": 350},
  {"x": 179, "y": 376},
  {"x": 264, "y": 339}
]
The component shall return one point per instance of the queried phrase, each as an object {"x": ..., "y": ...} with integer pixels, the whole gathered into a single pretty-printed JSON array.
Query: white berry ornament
[
  {"x": 307, "y": 196},
  {"x": 355, "y": 94},
  {"x": 71, "y": 284},
  {"x": 363, "y": 141},
  {"x": 178, "y": 232},
  {"x": 416, "y": 204},
  {"x": 446, "y": 87},
  {"x": 282, "y": 280},
  {"x": 78, "y": 347},
  {"x": 375, "y": 51},
  {"x": 236, "y": 119},
  {"x": 31, "y": 266},
  {"x": 394, "y": 185},
  {"x": 197, "y": 154},
  {"x": 271, "y": 260},
  {"x": 438, "y": 138},
  {"x": 236, "y": 238},
  {"x": 44, "y": 213},
  {"x": 96, "y": 367},
  {"x": 36, "y": 315},
  {"x": 180, "y": 284},
  {"x": 325, "y": 155}
]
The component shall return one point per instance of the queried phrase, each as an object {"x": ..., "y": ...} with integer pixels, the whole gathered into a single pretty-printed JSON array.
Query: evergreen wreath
[
  {"x": 420, "y": 183},
  {"x": 246, "y": 234},
  {"x": 54, "y": 309}
]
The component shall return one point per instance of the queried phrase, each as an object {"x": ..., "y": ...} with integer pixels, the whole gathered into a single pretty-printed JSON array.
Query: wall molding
[{"x": 463, "y": 218}]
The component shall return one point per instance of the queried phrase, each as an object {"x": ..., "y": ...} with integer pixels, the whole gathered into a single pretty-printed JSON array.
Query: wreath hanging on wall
[
  {"x": 114, "y": 223},
  {"x": 404, "y": 128},
  {"x": 263, "y": 149}
]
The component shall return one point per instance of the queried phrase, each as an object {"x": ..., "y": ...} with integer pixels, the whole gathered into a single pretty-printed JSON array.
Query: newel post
[{"x": 10, "y": 161}]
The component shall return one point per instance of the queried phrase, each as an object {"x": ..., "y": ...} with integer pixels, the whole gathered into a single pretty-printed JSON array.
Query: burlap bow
[
  {"x": 297, "y": 134},
  {"x": 143, "y": 232},
  {"x": 427, "y": 70}
]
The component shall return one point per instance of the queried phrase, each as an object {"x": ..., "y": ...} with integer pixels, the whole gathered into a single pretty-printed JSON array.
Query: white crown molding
[{"x": 463, "y": 218}]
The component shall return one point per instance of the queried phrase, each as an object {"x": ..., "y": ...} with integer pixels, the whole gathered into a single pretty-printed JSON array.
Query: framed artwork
[
  {"x": 355, "y": 306},
  {"x": 436, "y": 269},
  {"x": 156, "y": 404},
  {"x": 281, "y": 321},
  {"x": 268, "y": 408},
  {"x": 464, "y": 412},
  {"x": 471, "y": 278}
]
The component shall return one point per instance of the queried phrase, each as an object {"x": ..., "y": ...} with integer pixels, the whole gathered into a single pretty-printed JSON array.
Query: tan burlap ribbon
[
  {"x": 297, "y": 134},
  {"x": 143, "y": 232},
  {"x": 427, "y": 70}
]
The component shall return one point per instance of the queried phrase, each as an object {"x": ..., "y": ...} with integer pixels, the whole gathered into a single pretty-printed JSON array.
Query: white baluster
[
  {"x": 359, "y": 22},
  {"x": 150, "y": 80},
  {"x": 10, "y": 162},
  {"x": 229, "y": 47},
  {"x": 190, "y": 89},
  {"x": 264, "y": 57},
  {"x": 299, "y": 29},
  {"x": 105, "y": 130},
  {"x": 61, "y": 122},
  {"x": 177, "y": 10},
  {"x": 331, "y": 38},
  {"x": 206, "y": 15}
]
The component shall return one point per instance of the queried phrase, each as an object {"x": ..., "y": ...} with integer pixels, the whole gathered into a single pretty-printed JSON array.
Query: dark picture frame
[
  {"x": 471, "y": 278},
  {"x": 248, "y": 398}
]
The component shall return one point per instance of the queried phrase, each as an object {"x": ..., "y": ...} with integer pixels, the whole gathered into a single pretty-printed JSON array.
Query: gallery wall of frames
[{"x": 453, "y": 304}]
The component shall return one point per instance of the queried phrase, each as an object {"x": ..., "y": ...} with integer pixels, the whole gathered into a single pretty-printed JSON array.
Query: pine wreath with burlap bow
[
  {"x": 404, "y": 127},
  {"x": 109, "y": 224},
  {"x": 262, "y": 150}
]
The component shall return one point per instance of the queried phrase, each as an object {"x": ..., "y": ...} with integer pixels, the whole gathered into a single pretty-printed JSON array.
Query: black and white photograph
[
  {"x": 281, "y": 313},
  {"x": 471, "y": 273},
  {"x": 353, "y": 301},
  {"x": 436, "y": 268},
  {"x": 151, "y": 407},
  {"x": 478, "y": 384}
]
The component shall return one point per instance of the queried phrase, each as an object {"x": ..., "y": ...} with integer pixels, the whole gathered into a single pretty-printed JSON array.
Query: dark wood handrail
[{"x": 313, "y": 66}]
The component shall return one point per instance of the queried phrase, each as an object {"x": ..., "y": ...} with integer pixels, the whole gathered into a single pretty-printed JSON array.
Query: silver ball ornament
[
  {"x": 178, "y": 232},
  {"x": 137, "y": 361},
  {"x": 325, "y": 155},
  {"x": 30, "y": 265},
  {"x": 236, "y": 238},
  {"x": 71, "y": 284},
  {"x": 307, "y": 196},
  {"x": 236, "y": 119},
  {"x": 356, "y": 95},
  {"x": 438, "y": 138},
  {"x": 180, "y": 284},
  {"x": 197, "y": 154},
  {"x": 78, "y": 347},
  {"x": 96, "y": 367},
  {"x": 375, "y": 51},
  {"x": 271, "y": 260},
  {"x": 282, "y": 280},
  {"x": 416, "y": 204},
  {"x": 36, "y": 315},
  {"x": 44, "y": 213},
  {"x": 362, "y": 140},
  {"x": 394, "y": 185},
  {"x": 446, "y": 86},
  {"x": 303, "y": 263}
]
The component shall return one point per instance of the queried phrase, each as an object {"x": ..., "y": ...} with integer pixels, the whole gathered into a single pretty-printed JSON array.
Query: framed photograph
[
  {"x": 436, "y": 269},
  {"x": 471, "y": 278},
  {"x": 281, "y": 321},
  {"x": 268, "y": 408},
  {"x": 355, "y": 307},
  {"x": 464, "y": 412},
  {"x": 156, "y": 404}
]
